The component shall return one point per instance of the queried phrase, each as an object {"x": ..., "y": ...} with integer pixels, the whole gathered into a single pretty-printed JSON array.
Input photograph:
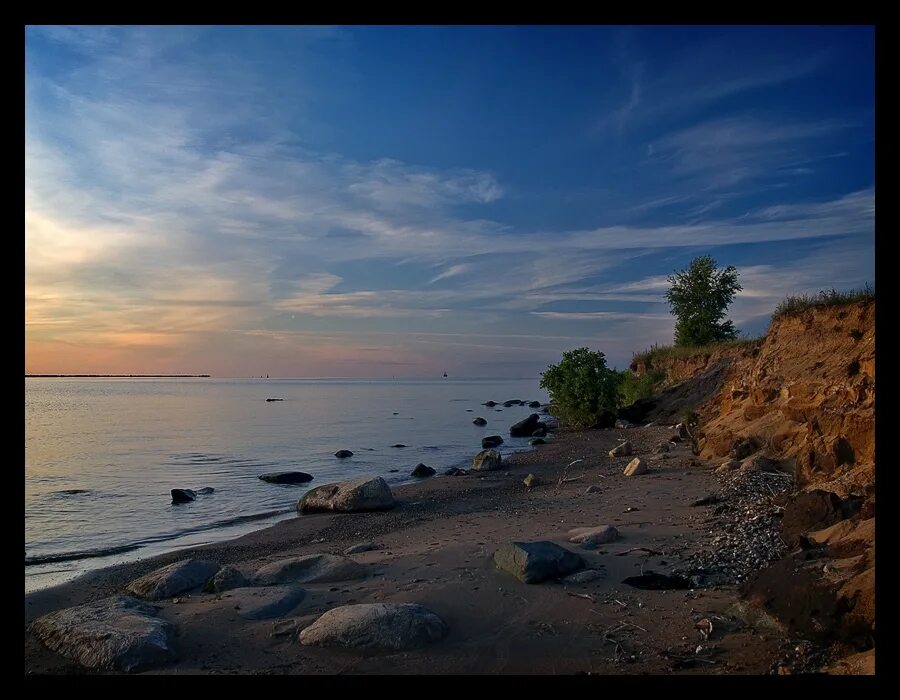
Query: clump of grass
[
  {"x": 825, "y": 298},
  {"x": 660, "y": 353},
  {"x": 633, "y": 387}
]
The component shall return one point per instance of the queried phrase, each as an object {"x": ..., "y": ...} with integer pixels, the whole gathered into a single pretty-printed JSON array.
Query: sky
[{"x": 402, "y": 201}]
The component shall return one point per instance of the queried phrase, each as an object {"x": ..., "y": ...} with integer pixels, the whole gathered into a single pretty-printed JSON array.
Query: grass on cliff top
[
  {"x": 825, "y": 298},
  {"x": 659, "y": 353}
]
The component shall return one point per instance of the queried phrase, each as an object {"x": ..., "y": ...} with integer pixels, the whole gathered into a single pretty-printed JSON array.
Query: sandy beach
[{"x": 436, "y": 549}]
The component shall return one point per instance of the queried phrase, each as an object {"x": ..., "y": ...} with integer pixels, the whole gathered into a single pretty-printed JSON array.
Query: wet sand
[{"x": 437, "y": 551}]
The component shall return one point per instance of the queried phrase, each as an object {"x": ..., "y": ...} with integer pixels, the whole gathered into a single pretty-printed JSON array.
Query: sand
[{"x": 437, "y": 548}]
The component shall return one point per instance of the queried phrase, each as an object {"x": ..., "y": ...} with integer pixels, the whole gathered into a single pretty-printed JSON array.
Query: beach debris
[
  {"x": 630, "y": 509},
  {"x": 586, "y": 596},
  {"x": 590, "y": 537},
  {"x": 113, "y": 634},
  {"x": 533, "y": 562},
  {"x": 422, "y": 471},
  {"x": 362, "y": 547},
  {"x": 705, "y": 627},
  {"x": 525, "y": 427},
  {"x": 265, "y": 602},
  {"x": 487, "y": 460},
  {"x": 310, "y": 568},
  {"x": 225, "y": 579},
  {"x": 635, "y": 467},
  {"x": 683, "y": 431},
  {"x": 650, "y": 552},
  {"x": 364, "y": 494},
  {"x": 173, "y": 579},
  {"x": 343, "y": 454},
  {"x": 479, "y": 421},
  {"x": 491, "y": 441},
  {"x": 622, "y": 450},
  {"x": 287, "y": 477},
  {"x": 652, "y": 581},
  {"x": 392, "y": 626}
]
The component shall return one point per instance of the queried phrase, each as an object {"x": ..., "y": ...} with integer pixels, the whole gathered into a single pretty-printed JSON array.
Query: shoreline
[{"x": 437, "y": 548}]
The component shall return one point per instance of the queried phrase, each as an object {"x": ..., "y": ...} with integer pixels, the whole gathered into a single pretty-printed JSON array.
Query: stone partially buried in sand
[
  {"x": 225, "y": 579},
  {"x": 590, "y": 537},
  {"x": 388, "y": 626},
  {"x": 173, "y": 579},
  {"x": 349, "y": 496},
  {"x": 113, "y": 634},
  {"x": 622, "y": 450},
  {"x": 310, "y": 568},
  {"x": 533, "y": 562},
  {"x": 264, "y": 603},
  {"x": 487, "y": 461}
]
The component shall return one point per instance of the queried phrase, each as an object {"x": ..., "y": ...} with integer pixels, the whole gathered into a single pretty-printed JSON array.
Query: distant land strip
[{"x": 122, "y": 376}]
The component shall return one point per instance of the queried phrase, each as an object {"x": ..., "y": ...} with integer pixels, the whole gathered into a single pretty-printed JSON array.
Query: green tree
[
  {"x": 583, "y": 390},
  {"x": 699, "y": 296}
]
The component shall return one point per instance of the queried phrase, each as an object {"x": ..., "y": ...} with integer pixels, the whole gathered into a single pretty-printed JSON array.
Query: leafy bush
[
  {"x": 699, "y": 296},
  {"x": 633, "y": 387},
  {"x": 801, "y": 302},
  {"x": 581, "y": 387}
]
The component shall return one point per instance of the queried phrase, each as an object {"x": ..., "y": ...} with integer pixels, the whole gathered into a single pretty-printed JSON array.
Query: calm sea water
[{"x": 101, "y": 455}]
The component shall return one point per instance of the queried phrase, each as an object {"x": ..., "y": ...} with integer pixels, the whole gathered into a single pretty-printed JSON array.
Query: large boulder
[
  {"x": 622, "y": 450},
  {"x": 113, "y": 634},
  {"x": 525, "y": 427},
  {"x": 225, "y": 579},
  {"x": 286, "y": 477},
  {"x": 264, "y": 603},
  {"x": 362, "y": 494},
  {"x": 173, "y": 579},
  {"x": 590, "y": 537},
  {"x": 310, "y": 568},
  {"x": 486, "y": 461},
  {"x": 183, "y": 495},
  {"x": 533, "y": 562},
  {"x": 390, "y": 626},
  {"x": 491, "y": 441}
]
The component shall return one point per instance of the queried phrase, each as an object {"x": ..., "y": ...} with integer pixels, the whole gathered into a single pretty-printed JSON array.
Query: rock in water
[
  {"x": 534, "y": 404},
  {"x": 389, "y": 626},
  {"x": 622, "y": 450},
  {"x": 533, "y": 562},
  {"x": 205, "y": 491},
  {"x": 113, "y": 634},
  {"x": 487, "y": 461},
  {"x": 173, "y": 579},
  {"x": 422, "y": 471},
  {"x": 286, "y": 477},
  {"x": 635, "y": 467},
  {"x": 310, "y": 568},
  {"x": 491, "y": 441},
  {"x": 226, "y": 578},
  {"x": 590, "y": 537},
  {"x": 525, "y": 427},
  {"x": 399, "y": 444},
  {"x": 349, "y": 496},
  {"x": 342, "y": 454},
  {"x": 479, "y": 421},
  {"x": 537, "y": 441},
  {"x": 183, "y": 496},
  {"x": 489, "y": 404}
]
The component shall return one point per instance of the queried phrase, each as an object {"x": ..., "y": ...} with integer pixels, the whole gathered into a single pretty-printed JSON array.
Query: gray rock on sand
[
  {"x": 364, "y": 494},
  {"x": 491, "y": 441},
  {"x": 183, "y": 495},
  {"x": 343, "y": 454},
  {"x": 622, "y": 450},
  {"x": 389, "y": 626},
  {"x": 531, "y": 480},
  {"x": 422, "y": 470},
  {"x": 590, "y": 537},
  {"x": 487, "y": 461},
  {"x": 286, "y": 477},
  {"x": 309, "y": 568},
  {"x": 455, "y": 471},
  {"x": 362, "y": 547},
  {"x": 479, "y": 421},
  {"x": 585, "y": 576},
  {"x": 525, "y": 427},
  {"x": 533, "y": 562},
  {"x": 265, "y": 603},
  {"x": 113, "y": 634},
  {"x": 635, "y": 467},
  {"x": 225, "y": 579},
  {"x": 173, "y": 579}
]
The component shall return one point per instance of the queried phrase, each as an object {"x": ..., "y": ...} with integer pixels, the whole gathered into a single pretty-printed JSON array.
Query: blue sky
[{"x": 397, "y": 201}]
